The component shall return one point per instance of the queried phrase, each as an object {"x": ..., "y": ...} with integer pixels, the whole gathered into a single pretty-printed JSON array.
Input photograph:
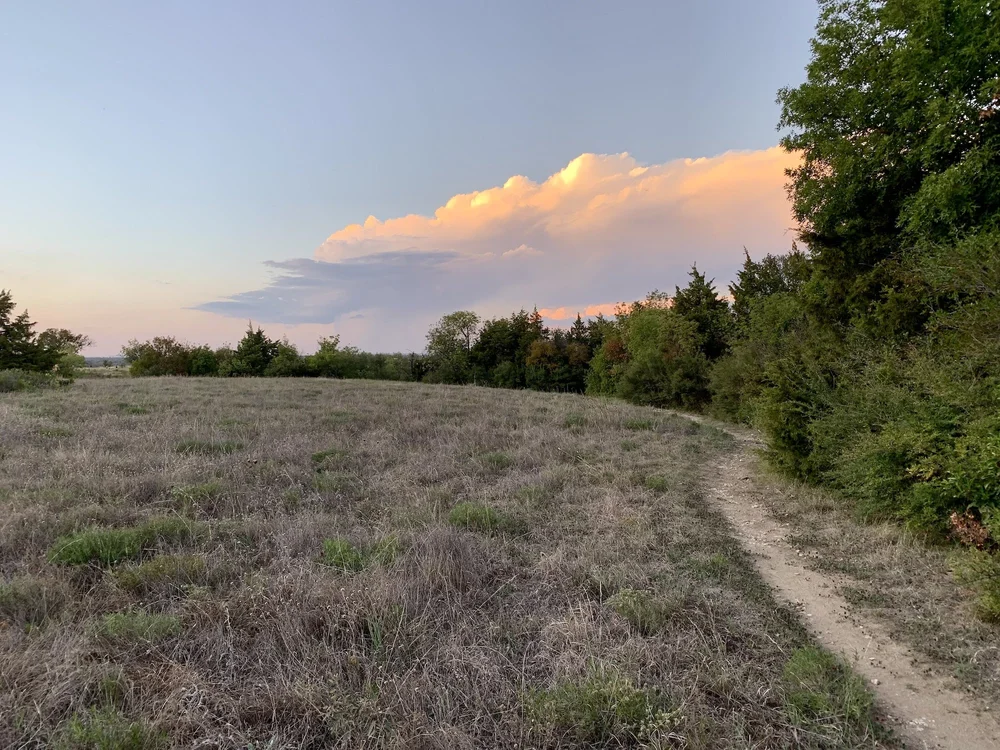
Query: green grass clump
[
  {"x": 602, "y": 710},
  {"x": 171, "y": 572},
  {"x": 657, "y": 483},
  {"x": 821, "y": 692},
  {"x": 980, "y": 571},
  {"x": 30, "y": 601},
  {"x": 496, "y": 460},
  {"x": 108, "y": 729},
  {"x": 188, "y": 498},
  {"x": 327, "y": 457},
  {"x": 574, "y": 420},
  {"x": 134, "y": 409},
  {"x": 113, "y": 546},
  {"x": 645, "y": 612},
  {"x": 12, "y": 381},
  {"x": 638, "y": 425},
  {"x": 55, "y": 432},
  {"x": 341, "y": 554},
  {"x": 137, "y": 627},
  {"x": 481, "y": 518},
  {"x": 208, "y": 447}
]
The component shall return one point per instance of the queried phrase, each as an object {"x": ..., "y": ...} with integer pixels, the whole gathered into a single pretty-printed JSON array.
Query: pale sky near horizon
[{"x": 177, "y": 168}]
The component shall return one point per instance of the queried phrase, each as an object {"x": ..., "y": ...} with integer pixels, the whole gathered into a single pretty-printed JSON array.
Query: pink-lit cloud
[{"x": 604, "y": 227}]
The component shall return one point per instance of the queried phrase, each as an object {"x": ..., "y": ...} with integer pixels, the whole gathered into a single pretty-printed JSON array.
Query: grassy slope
[{"x": 581, "y": 593}]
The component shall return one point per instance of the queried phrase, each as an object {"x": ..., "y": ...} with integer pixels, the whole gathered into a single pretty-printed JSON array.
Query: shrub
[
  {"x": 113, "y": 546},
  {"x": 107, "y": 729},
  {"x": 602, "y": 710},
  {"x": 137, "y": 627},
  {"x": 12, "y": 381},
  {"x": 478, "y": 517}
]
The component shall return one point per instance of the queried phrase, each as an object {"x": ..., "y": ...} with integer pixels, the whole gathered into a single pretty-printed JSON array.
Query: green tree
[
  {"x": 699, "y": 303},
  {"x": 898, "y": 127},
  {"x": 253, "y": 354},
  {"x": 449, "y": 344}
]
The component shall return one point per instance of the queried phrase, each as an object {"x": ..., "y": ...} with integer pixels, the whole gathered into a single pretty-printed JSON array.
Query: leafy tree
[
  {"x": 899, "y": 129},
  {"x": 162, "y": 355},
  {"x": 775, "y": 274},
  {"x": 449, "y": 343}
]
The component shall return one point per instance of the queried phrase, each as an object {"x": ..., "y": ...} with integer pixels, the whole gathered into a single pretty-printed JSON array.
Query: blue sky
[{"x": 156, "y": 155}]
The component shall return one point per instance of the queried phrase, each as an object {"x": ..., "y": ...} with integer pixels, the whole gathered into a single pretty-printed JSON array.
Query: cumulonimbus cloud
[{"x": 604, "y": 227}]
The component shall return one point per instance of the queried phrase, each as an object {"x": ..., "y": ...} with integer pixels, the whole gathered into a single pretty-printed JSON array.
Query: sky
[{"x": 363, "y": 168}]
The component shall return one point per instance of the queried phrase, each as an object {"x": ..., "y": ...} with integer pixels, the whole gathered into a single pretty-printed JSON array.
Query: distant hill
[{"x": 116, "y": 361}]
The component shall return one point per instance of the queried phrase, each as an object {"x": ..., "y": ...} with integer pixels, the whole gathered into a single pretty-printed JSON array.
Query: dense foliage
[
  {"x": 256, "y": 355},
  {"x": 27, "y": 357}
]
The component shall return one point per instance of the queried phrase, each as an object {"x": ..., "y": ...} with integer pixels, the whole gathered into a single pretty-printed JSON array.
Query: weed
[
  {"x": 980, "y": 571},
  {"x": 639, "y": 425},
  {"x": 657, "y": 483},
  {"x": 170, "y": 572},
  {"x": 108, "y": 729},
  {"x": 137, "y": 627},
  {"x": 30, "y": 601},
  {"x": 479, "y": 517},
  {"x": 55, "y": 432},
  {"x": 188, "y": 499},
  {"x": 822, "y": 692},
  {"x": 133, "y": 409},
  {"x": 113, "y": 546},
  {"x": 574, "y": 420},
  {"x": 644, "y": 611},
  {"x": 208, "y": 447},
  {"x": 602, "y": 709},
  {"x": 341, "y": 554},
  {"x": 496, "y": 460},
  {"x": 327, "y": 457},
  {"x": 628, "y": 445}
]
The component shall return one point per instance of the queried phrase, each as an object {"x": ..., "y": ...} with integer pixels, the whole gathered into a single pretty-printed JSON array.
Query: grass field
[{"x": 286, "y": 564}]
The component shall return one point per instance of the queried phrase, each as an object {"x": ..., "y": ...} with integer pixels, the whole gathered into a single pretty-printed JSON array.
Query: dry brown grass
[{"x": 608, "y": 606}]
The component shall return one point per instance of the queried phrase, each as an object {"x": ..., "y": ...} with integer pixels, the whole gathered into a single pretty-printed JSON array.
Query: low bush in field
[
  {"x": 112, "y": 546},
  {"x": 22, "y": 380}
]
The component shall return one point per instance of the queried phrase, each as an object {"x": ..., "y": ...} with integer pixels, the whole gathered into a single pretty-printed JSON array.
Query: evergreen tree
[{"x": 699, "y": 303}]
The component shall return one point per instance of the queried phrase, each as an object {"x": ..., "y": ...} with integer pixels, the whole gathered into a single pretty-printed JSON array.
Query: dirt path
[{"x": 925, "y": 709}]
